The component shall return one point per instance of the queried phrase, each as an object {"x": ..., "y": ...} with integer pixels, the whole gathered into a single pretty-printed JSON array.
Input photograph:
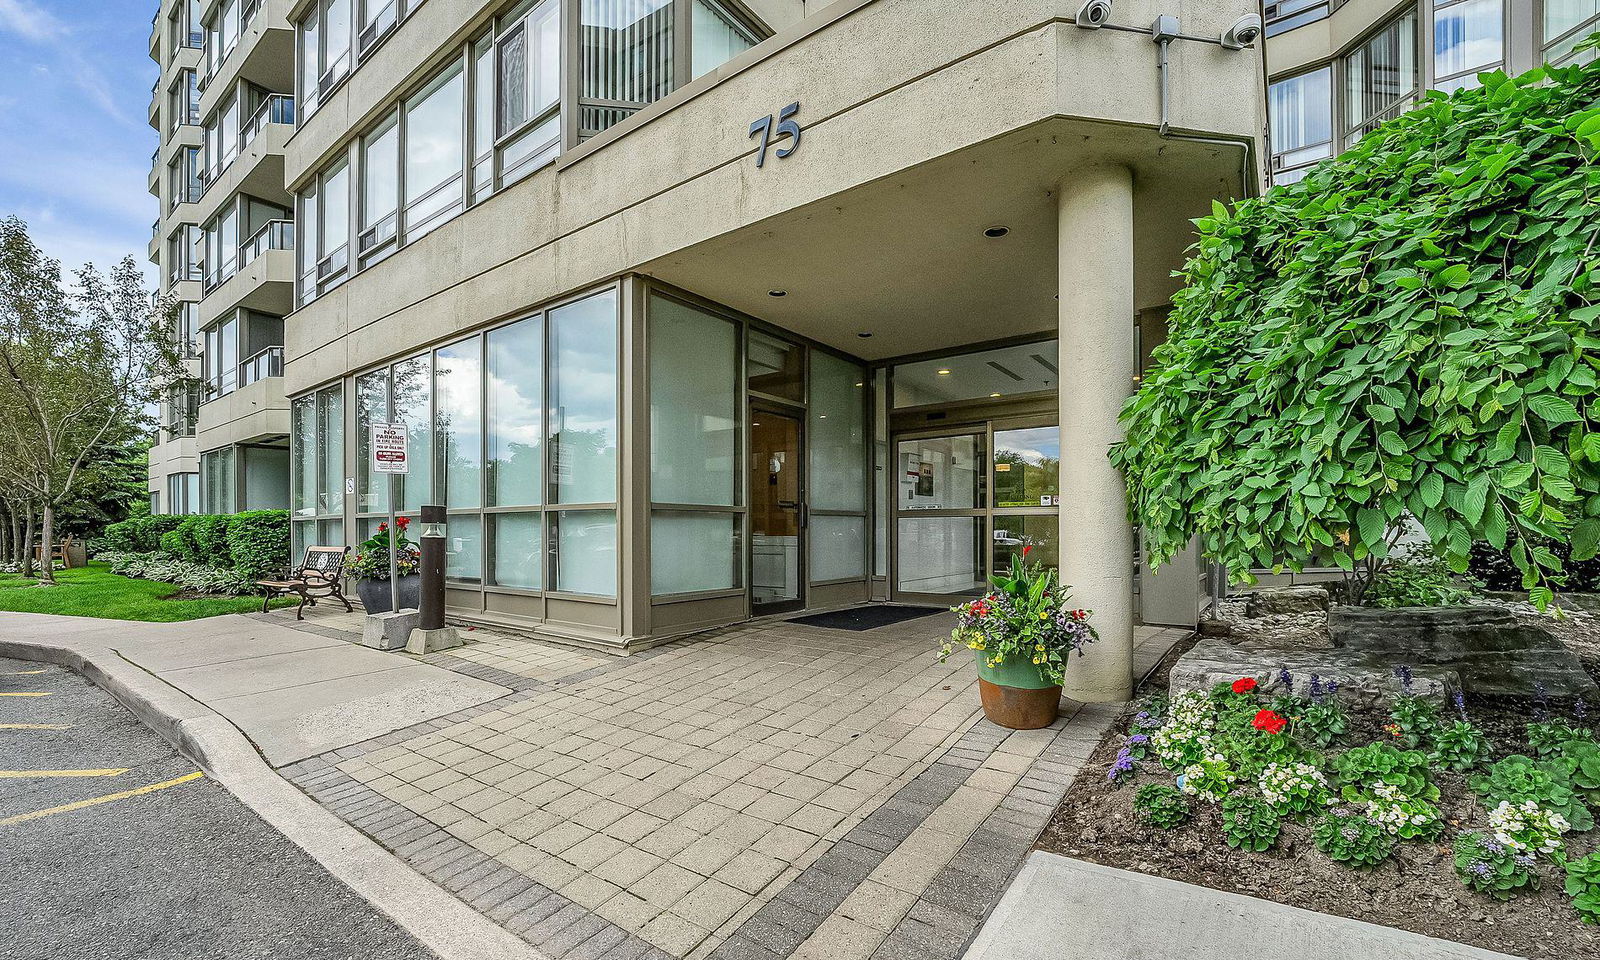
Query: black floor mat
[{"x": 867, "y": 618}]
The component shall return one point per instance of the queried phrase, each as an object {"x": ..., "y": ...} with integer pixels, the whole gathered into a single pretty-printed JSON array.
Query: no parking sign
[{"x": 389, "y": 448}]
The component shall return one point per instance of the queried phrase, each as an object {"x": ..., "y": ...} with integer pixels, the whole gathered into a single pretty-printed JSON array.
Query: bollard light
[{"x": 432, "y": 530}]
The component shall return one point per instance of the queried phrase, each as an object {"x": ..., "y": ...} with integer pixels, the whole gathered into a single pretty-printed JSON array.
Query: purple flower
[
  {"x": 1491, "y": 846},
  {"x": 1461, "y": 705},
  {"x": 1333, "y": 688},
  {"x": 1350, "y": 833},
  {"x": 1316, "y": 689},
  {"x": 1122, "y": 767},
  {"x": 1541, "y": 701},
  {"x": 1580, "y": 710},
  {"x": 1404, "y": 673},
  {"x": 1480, "y": 868},
  {"x": 1138, "y": 739},
  {"x": 1523, "y": 860},
  {"x": 1287, "y": 679}
]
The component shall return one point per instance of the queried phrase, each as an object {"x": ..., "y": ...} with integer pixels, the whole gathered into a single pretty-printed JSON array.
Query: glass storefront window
[
  {"x": 1027, "y": 467},
  {"x": 412, "y": 389},
  {"x": 693, "y": 552},
  {"x": 837, "y": 437},
  {"x": 776, "y": 367},
  {"x": 516, "y": 421},
  {"x": 372, "y": 406},
  {"x": 1015, "y": 532},
  {"x": 986, "y": 375},
  {"x": 586, "y": 552},
  {"x": 302, "y": 432},
  {"x": 940, "y": 473},
  {"x": 518, "y": 543},
  {"x": 694, "y": 405},
  {"x": 463, "y": 548},
  {"x": 583, "y": 400},
  {"x": 941, "y": 555},
  {"x": 330, "y": 450},
  {"x": 837, "y": 548},
  {"x": 458, "y": 421}
]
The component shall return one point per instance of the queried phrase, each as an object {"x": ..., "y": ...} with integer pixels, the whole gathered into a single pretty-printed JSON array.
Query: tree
[
  {"x": 1409, "y": 332},
  {"x": 77, "y": 372}
]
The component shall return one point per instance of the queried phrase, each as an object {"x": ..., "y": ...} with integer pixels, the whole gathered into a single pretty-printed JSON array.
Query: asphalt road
[{"x": 180, "y": 871}]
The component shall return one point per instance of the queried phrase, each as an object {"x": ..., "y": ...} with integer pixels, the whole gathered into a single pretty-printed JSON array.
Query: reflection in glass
[
  {"x": 1013, "y": 533},
  {"x": 411, "y": 394},
  {"x": 518, "y": 550},
  {"x": 837, "y": 435},
  {"x": 941, "y": 555},
  {"x": 691, "y": 552},
  {"x": 693, "y": 405},
  {"x": 302, "y": 447},
  {"x": 940, "y": 473},
  {"x": 985, "y": 375},
  {"x": 463, "y": 548},
  {"x": 1027, "y": 467},
  {"x": 1468, "y": 38},
  {"x": 776, "y": 367},
  {"x": 458, "y": 371},
  {"x": 583, "y": 401},
  {"x": 586, "y": 552},
  {"x": 330, "y": 450},
  {"x": 516, "y": 427},
  {"x": 372, "y": 406}
]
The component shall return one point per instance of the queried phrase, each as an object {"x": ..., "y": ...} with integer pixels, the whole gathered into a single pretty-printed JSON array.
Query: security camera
[
  {"x": 1245, "y": 31},
  {"x": 1093, "y": 14}
]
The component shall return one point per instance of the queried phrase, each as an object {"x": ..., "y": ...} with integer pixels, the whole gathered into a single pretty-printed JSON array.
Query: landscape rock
[
  {"x": 1276, "y": 601},
  {"x": 1366, "y": 678}
]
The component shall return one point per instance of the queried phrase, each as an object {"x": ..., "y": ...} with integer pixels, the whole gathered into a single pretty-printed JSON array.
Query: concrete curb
[{"x": 441, "y": 922}]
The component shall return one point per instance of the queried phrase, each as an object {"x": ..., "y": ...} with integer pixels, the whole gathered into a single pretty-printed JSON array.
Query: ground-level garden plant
[
  {"x": 95, "y": 591},
  {"x": 207, "y": 554}
]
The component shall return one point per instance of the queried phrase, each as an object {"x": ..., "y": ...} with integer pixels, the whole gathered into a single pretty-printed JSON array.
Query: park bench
[{"x": 321, "y": 574}]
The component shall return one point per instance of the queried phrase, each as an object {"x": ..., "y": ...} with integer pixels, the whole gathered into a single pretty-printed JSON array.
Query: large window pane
[
  {"x": 434, "y": 152},
  {"x": 463, "y": 548},
  {"x": 776, "y": 367},
  {"x": 330, "y": 450},
  {"x": 458, "y": 372},
  {"x": 372, "y": 406},
  {"x": 838, "y": 548},
  {"x": 626, "y": 56},
  {"x": 1468, "y": 38},
  {"x": 1302, "y": 119},
  {"x": 335, "y": 209},
  {"x": 512, "y": 87},
  {"x": 516, "y": 422},
  {"x": 691, "y": 552},
  {"x": 838, "y": 434},
  {"x": 1381, "y": 76},
  {"x": 336, "y": 33},
  {"x": 716, "y": 36},
  {"x": 518, "y": 550},
  {"x": 985, "y": 375},
  {"x": 694, "y": 405},
  {"x": 411, "y": 394},
  {"x": 302, "y": 433},
  {"x": 941, "y": 473},
  {"x": 583, "y": 401},
  {"x": 586, "y": 552},
  {"x": 1027, "y": 467},
  {"x": 381, "y": 164},
  {"x": 941, "y": 555},
  {"x": 1013, "y": 534}
]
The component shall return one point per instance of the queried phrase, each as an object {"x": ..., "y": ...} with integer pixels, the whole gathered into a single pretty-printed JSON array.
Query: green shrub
[
  {"x": 120, "y": 537},
  {"x": 1420, "y": 581},
  {"x": 1583, "y": 886},
  {"x": 1161, "y": 806},
  {"x": 258, "y": 542},
  {"x": 210, "y": 532},
  {"x": 1352, "y": 839},
  {"x": 1549, "y": 736},
  {"x": 149, "y": 530},
  {"x": 1458, "y": 746},
  {"x": 1406, "y": 770},
  {"x": 1488, "y": 866},
  {"x": 1518, "y": 779},
  {"x": 172, "y": 545},
  {"x": 1249, "y": 823},
  {"x": 1321, "y": 722},
  {"x": 1583, "y": 761},
  {"x": 180, "y": 573},
  {"x": 1417, "y": 719}
]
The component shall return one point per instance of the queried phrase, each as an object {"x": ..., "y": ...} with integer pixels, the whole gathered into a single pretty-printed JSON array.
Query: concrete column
[{"x": 1097, "y": 362}]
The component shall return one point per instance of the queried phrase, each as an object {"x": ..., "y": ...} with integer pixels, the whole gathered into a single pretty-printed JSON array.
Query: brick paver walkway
[{"x": 767, "y": 790}]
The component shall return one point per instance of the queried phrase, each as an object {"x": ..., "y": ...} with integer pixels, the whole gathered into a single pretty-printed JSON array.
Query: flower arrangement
[
  {"x": 1027, "y": 618},
  {"x": 371, "y": 561}
]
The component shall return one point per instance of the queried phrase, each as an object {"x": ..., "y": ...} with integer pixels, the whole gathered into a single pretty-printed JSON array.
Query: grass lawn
[{"x": 94, "y": 591}]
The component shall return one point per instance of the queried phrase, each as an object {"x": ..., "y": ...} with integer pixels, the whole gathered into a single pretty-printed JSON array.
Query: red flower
[
  {"x": 1270, "y": 722},
  {"x": 1244, "y": 684},
  {"x": 403, "y": 522},
  {"x": 382, "y": 527},
  {"x": 1026, "y": 549}
]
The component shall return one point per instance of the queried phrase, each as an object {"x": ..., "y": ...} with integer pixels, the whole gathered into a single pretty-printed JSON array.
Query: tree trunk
[
  {"x": 27, "y": 544},
  {"x": 47, "y": 535},
  {"x": 5, "y": 531}
]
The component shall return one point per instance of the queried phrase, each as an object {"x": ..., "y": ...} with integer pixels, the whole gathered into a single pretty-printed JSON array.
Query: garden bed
[
  {"x": 94, "y": 591},
  {"x": 1417, "y": 889}
]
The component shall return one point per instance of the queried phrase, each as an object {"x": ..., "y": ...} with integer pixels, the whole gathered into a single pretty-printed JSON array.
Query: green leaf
[
  {"x": 1553, "y": 409},
  {"x": 1391, "y": 443},
  {"x": 1432, "y": 489}
]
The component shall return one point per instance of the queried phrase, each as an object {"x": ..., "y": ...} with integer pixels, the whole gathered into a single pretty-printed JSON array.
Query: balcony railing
[
  {"x": 267, "y": 363},
  {"x": 273, "y": 235},
  {"x": 277, "y": 108}
]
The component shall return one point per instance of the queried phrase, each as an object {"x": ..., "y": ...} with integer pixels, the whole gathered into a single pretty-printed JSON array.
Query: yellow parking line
[
  {"x": 24, "y": 694},
  {"x": 21, "y": 673},
  {"x": 35, "y": 726},
  {"x": 22, "y": 817},
  {"x": 42, "y": 774}
]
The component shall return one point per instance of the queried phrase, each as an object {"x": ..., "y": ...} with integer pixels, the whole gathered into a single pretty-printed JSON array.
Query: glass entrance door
[{"x": 777, "y": 511}]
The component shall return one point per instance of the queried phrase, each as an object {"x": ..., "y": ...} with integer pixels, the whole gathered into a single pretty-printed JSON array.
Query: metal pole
[
  {"x": 430, "y": 604},
  {"x": 394, "y": 544}
]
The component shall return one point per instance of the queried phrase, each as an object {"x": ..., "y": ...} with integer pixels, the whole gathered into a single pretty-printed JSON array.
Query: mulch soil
[{"x": 1416, "y": 890}]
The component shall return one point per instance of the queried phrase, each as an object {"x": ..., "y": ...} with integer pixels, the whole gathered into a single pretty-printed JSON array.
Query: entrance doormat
[{"x": 867, "y": 618}]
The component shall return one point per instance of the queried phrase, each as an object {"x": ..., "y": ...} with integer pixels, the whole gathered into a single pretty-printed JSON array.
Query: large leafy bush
[
  {"x": 258, "y": 542},
  {"x": 1407, "y": 332}
]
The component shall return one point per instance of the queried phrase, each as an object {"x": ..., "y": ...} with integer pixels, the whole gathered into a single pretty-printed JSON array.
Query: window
[
  {"x": 183, "y": 493},
  {"x": 334, "y": 35},
  {"x": 183, "y": 100},
  {"x": 695, "y": 404},
  {"x": 837, "y": 441},
  {"x": 221, "y": 359},
  {"x": 309, "y": 56},
  {"x": 324, "y": 248},
  {"x": 528, "y": 91},
  {"x": 1301, "y": 114},
  {"x": 583, "y": 401},
  {"x": 217, "y": 479},
  {"x": 1380, "y": 77},
  {"x": 184, "y": 177},
  {"x": 186, "y": 329},
  {"x": 458, "y": 429},
  {"x": 1468, "y": 39},
  {"x": 316, "y": 452},
  {"x": 380, "y": 198},
  {"x": 1285, "y": 15},
  {"x": 1566, "y": 24},
  {"x": 716, "y": 37},
  {"x": 434, "y": 154}
]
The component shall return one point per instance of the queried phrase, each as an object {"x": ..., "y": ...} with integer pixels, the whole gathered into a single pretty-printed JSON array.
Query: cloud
[{"x": 25, "y": 20}]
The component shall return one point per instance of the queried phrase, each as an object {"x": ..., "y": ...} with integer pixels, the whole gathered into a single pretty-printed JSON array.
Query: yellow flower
[
  {"x": 1043, "y": 615},
  {"x": 1038, "y": 660}
]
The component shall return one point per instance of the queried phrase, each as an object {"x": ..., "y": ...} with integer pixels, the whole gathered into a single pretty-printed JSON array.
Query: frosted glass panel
[
  {"x": 463, "y": 548},
  {"x": 694, "y": 405},
  {"x": 412, "y": 386},
  {"x": 458, "y": 372},
  {"x": 518, "y": 550},
  {"x": 583, "y": 400},
  {"x": 942, "y": 555},
  {"x": 330, "y": 450},
  {"x": 838, "y": 434},
  {"x": 516, "y": 423},
  {"x": 690, "y": 552},
  {"x": 586, "y": 552},
  {"x": 838, "y": 548}
]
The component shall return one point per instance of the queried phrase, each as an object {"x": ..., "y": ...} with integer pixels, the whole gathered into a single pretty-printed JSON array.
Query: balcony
[
  {"x": 252, "y": 411},
  {"x": 263, "y": 55},
  {"x": 257, "y": 166},
  {"x": 263, "y": 279},
  {"x": 267, "y": 363}
]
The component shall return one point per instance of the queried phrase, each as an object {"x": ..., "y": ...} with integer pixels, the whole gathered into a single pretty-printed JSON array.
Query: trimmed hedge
[
  {"x": 258, "y": 542},
  {"x": 251, "y": 545},
  {"x": 140, "y": 534}
]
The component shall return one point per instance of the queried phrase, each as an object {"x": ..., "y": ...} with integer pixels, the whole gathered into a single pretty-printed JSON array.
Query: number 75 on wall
[{"x": 785, "y": 126}]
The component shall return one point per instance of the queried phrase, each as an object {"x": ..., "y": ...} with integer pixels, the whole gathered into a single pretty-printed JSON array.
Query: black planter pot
[{"x": 375, "y": 594}]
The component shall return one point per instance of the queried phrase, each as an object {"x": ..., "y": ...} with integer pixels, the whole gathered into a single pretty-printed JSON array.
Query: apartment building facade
[
  {"x": 1338, "y": 69},
  {"x": 223, "y": 107},
  {"x": 699, "y": 310}
]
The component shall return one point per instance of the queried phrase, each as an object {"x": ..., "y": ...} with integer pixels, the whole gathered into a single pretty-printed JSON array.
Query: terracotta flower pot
[{"x": 1015, "y": 696}]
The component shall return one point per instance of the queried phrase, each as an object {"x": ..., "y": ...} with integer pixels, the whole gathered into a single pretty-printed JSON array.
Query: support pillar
[{"x": 1097, "y": 364}]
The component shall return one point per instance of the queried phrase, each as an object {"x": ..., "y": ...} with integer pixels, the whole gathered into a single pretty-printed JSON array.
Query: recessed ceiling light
[
  {"x": 864, "y": 335},
  {"x": 996, "y": 232},
  {"x": 822, "y": 416},
  {"x": 777, "y": 293},
  {"x": 944, "y": 371},
  {"x": 994, "y": 396},
  {"x": 861, "y": 384}
]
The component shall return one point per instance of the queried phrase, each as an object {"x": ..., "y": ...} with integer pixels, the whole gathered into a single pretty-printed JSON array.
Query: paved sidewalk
[
  {"x": 1101, "y": 913},
  {"x": 294, "y": 693},
  {"x": 767, "y": 790}
]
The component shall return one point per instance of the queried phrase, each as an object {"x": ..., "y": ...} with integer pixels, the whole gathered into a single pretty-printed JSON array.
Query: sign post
[{"x": 389, "y": 457}]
